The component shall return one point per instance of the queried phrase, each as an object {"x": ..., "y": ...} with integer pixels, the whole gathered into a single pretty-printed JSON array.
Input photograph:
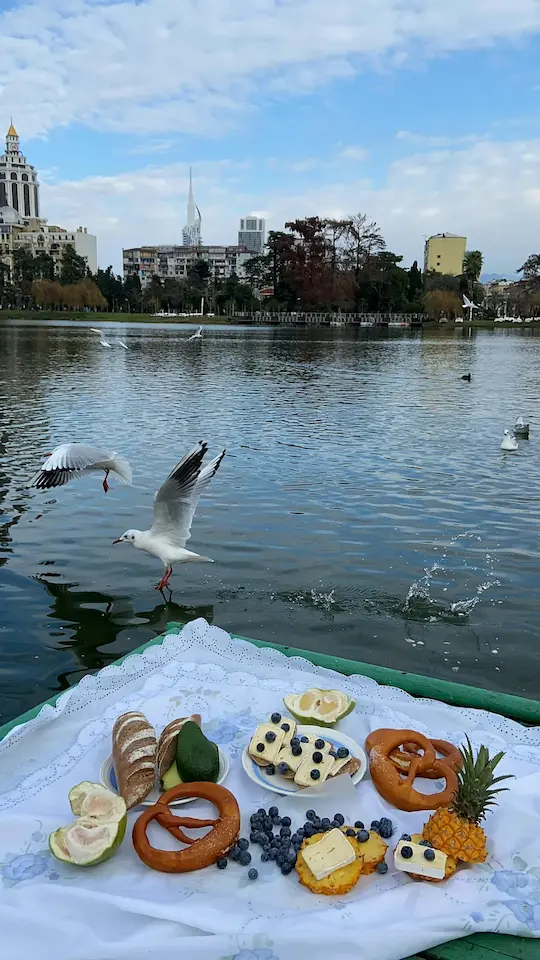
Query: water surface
[{"x": 364, "y": 507}]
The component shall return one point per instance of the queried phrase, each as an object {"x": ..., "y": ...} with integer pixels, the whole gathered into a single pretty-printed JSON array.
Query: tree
[
  {"x": 362, "y": 241},
  {"x": 44, "y": 266},
  {"x": 153, "y": 294},
  {"x": 473, "y": 262},
  {"x": 441, "y": 281},
  {"x": 416, "y": 284},
  {"x": 73, "y": 267},
  {"x": 23, "y": 272},
  {"x": 311, "y": 263},
  {"x": 133, "y": 293},
  {"x": 47, "y": 294},
  {"x": 439, "y": 303},
  {"x": 111, "y": 288},
  {"x": 531, "y": 271}
]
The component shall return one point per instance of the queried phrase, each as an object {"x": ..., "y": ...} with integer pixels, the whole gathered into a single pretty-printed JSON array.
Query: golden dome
[{"x": 12, "y": 131}]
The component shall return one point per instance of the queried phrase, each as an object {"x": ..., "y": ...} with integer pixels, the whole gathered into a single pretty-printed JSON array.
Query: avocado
[
  {"x": 197, "y": 758},
  {"x": 171, "y": 778}
]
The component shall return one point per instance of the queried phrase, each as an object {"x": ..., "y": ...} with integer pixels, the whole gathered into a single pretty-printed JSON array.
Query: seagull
[
  {"x": 521, "y": 429},
  {"x": 197, "y": 335},
  {"x": 174, "y": 507},
  {"x": 102, "y": 340},
  {"x": 122, "y": 344},
  {"x": 71, "y": 460},
  {"x": 470, "y": 306},
  {"x": 509, "y": 442}
]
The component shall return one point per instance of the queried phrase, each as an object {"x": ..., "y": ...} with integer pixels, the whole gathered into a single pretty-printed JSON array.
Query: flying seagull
[
  {"x": 102, "y": 340},
  {"x": 174, "y": 507},
  {"x": 71, "y": 460},
  {"x": 197, "y": 335}
]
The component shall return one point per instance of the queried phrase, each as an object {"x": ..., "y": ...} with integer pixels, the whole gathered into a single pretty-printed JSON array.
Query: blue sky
[{"x": 422, "y": 115}]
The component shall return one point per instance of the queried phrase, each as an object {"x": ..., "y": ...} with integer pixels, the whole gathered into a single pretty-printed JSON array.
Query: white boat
[{"x": 399, "y": 324}]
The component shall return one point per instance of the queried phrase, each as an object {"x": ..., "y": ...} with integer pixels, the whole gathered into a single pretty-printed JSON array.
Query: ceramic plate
[
  {"x": 108, "y": 779},
  {"x": 279, "y": 784}
]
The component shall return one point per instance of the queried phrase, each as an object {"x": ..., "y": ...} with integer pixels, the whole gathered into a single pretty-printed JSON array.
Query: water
[{"x": 364, "y": 507}]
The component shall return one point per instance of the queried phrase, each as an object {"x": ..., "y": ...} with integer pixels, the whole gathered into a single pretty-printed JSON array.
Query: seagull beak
[{"x": 119, "y": 540}]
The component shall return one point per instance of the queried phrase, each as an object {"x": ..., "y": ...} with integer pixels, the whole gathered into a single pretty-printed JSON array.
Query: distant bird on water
[
  {"x": 509, "y": 442},
  {"x": 102, "y": 340},
  {"x": 197, "y": 335},
  {"x": 174, "y": 507},
  {"x": 71, "y": 460},
  {"x": 466, "y": 376}
]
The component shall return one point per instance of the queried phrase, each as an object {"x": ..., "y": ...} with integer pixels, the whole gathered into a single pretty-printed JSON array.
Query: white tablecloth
[{"x": 121, "y": 910}]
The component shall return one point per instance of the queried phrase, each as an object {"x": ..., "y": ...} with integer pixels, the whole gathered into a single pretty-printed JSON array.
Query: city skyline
[{"x": 393, "y": 109}]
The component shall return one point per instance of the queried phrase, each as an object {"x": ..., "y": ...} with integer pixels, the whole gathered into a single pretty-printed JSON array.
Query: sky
[{"x": 422, "y": 114}]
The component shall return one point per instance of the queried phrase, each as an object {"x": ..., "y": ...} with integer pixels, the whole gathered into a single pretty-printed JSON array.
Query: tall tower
[
  {"x": 19, "y": 187},
  {"x": 251, "y": 234},
  {"x": 191, "y": 234}
]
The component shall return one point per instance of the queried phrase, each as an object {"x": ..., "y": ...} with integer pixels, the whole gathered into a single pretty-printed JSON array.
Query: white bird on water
[
  {"x": 197, "y": 335},
  {"x": 104, "y": 342},
  {"x": 174, "y": 507},
  {"x": 509, "y": 442},
  {"x": 71, "y": 460}
]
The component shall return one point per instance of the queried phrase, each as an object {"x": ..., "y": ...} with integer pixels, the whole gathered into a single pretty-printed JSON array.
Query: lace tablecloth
[{"x": 121, "y": 910}]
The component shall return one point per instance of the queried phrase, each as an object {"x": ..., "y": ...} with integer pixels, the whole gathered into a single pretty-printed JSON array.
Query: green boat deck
[{"x": 479, "y": 946}]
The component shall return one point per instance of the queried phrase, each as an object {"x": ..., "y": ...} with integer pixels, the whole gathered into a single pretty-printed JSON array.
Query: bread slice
[
  {"x": 166, "y": 750},
  {"x": 134, "y": 748}
]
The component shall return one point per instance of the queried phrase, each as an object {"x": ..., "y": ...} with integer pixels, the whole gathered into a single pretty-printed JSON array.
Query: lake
[{"x": 364, "y": 507}]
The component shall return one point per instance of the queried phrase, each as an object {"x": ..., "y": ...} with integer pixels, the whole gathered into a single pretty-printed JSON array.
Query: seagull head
[{"x": 130, "y": 536}]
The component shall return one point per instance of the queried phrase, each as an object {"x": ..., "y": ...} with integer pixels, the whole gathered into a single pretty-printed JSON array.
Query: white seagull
[
  {"x": 197, "y": 335},
  {"x": 174, "y": 507},
  {"x": 102, "y": 340},
  {"x": 121, "y": 344},
  {"x": 509, "y": 442},
  {"x": 71, "y": 460}
]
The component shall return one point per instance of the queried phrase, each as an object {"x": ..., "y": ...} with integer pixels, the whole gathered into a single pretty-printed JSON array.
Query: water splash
[{"x": 419, "y": 602}]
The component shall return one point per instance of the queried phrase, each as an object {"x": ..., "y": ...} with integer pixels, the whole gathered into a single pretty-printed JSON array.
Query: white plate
[
  {"x": 279, "y": 784},
  {"x": 108, "y": 780}
]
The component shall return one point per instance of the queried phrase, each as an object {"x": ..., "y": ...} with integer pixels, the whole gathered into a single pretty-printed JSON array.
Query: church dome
[{"x": 9, "y": 215}]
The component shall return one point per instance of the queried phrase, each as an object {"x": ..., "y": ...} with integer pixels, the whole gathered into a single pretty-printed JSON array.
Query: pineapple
[{"x": 456, "y": 829}]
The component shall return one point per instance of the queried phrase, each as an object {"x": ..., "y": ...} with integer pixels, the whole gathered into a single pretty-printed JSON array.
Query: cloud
[
  {"x": 486, "y": 190},
  {"x": 354, "y": 153},
  {"x": 160, "y": 66}
]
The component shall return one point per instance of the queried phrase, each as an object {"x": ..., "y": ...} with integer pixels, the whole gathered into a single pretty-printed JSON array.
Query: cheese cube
[
  {"x": 311, "y": 741},
  {"x": 418, "y": 864},
  {"x": 270, "y": 750},
  {"x": 287, "y": 734},
  {"x": 303, "y": 775},
  {"x": 330, "y": 853},
  {"x": 287, "y": 756}
]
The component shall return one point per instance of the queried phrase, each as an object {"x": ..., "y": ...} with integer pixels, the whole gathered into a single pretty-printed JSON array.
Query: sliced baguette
[{"x": 134, "y": 757}]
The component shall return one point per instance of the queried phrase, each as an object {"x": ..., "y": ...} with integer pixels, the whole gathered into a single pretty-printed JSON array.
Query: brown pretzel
[
  {"x": 201, "y": 852},
  {"x": 398, "y": 789},
  {"x": 450, "y": 755}
]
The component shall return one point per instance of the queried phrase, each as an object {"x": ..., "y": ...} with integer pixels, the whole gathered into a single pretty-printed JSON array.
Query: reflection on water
[{"x": 364, "y": 507}]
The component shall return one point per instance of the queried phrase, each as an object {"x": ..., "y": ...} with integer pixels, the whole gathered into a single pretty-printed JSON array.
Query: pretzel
[
  {"x": 401, "y": 758},
  {"x": 198, "y": 853},
  {"x": 398, "y": 789}
]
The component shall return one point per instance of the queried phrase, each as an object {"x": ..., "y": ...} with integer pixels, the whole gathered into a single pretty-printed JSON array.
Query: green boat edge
[{"x": 479, "y": 946}]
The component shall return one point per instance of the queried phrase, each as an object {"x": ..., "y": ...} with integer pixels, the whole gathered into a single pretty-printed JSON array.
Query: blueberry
[
  {"x": 304, "y": 739},
  {"x": 255, "y": 818},
  {"x": 342, "y": 752},
  {"x": 234, "y": 853},
  {"x": 295, "y": 741},
  {"x": 270, "y": 769},
  {"x": 244, "y": 859},
  {"x": 285, "y": 833},
  {"x": 359, "y": 825},
  {"x": 274, "y": 842},
  {"x": 261, "y": 812},
  {"x": 309, "y": 830},
  {"x": 317, "y": 757},
  {"x": 286, "y": 821},
  {"x": 300, "y": 833},
  {"x": 242, "y": 844},
  {"x": 375, "y": 826},
  {"x": 286, "y": 727},
  {"x": 335, "y": 823},
  {"x": 280, "y": 859},
  {"x": 253, "y": 873},
  {"x": 267, "y": 823},
  {"x": 296, "y": 750},
  {"x": 310, "y": 815},
  {"x": 260, "y": 747},
  {"x": 286, "y": 868},
  {"x": 385, "y": 820},
  {"x": 362, "y": 836},
  {"x": 273, "y": 812},
  {"x": 382, "y": 868},
  {"x": 221, "y": 864},
  {"x": 270, "y": 737},
  {"x": 275, "y": 718},
  {"x": 254, "y": 837},
  {"x": 405, "y": 836},
  {"x": 276, "y": 821},
  {"x": 429, "y": 854},
  {"x": 315, "y": 774},
  {"x": 424, "y": 843},
  {"x": 291, "y": 857},
  {"x": 386, "y": 830},
  {"x": 406, "y": 853},
  {"x": 349, "y": 832},
  {"x": 272, "y": 854},
  {"x": 325, "y": 823},
  {"x": 340, "y": 818},
  {"x": 332, "y": 754},
  {"x": 283, "y": 768}
]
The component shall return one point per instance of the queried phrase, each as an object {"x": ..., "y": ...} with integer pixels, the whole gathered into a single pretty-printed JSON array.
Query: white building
[
  {"x": 20, "y": 221},
  {"x": 252, "y": 234},
  {"x": 191, "y": 234},
  {"x": 173, "y": 262}
]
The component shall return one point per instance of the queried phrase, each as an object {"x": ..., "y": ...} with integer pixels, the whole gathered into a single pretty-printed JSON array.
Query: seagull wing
[
  {"x": 71, "y": 460},
  {"x": 466, "y": 301},
  {"x": 95, "y": 330},
  {"x": 122, "y": 344},
  {"x": 176, "y": 500}
]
